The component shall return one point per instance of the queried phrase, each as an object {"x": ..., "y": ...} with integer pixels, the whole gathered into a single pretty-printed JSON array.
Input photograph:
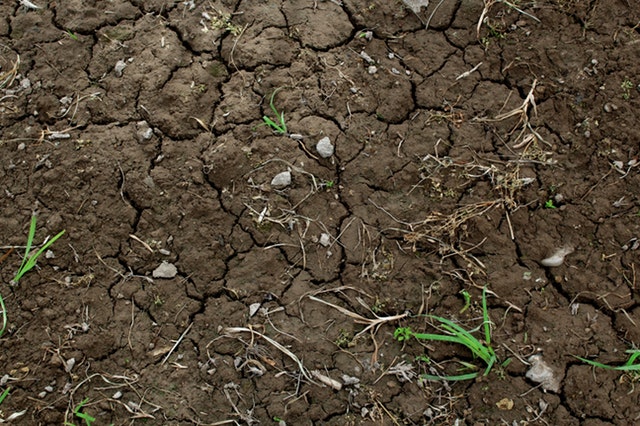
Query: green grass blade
[
  {"x": 88, "y": 420},
  {"x": 457, "y": 378},
  {"x": 595, "y": 363},
  {"x": 4, "y": 394},
  {"x": 32, "y": 234},
  {"x": 635, "y": 353},
  {"x": 31, "y": 261},
  {"x": 437, "y": 337},
  {"x": 485, "y": 318},
  {"x": 467, "y": 339}
]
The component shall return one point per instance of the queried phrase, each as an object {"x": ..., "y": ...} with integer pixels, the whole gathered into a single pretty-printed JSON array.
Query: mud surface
[{"x": 459, "y": 156}]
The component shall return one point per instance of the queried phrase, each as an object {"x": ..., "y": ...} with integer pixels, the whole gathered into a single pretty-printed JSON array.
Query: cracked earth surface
[{"x": 137, "y": 127}]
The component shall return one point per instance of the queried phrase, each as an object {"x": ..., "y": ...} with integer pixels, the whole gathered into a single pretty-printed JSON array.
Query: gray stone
[
  {"x": 281, "y": 180},
  {"x": 325, "y": 147},
  {"x": 165, "y": 270}
]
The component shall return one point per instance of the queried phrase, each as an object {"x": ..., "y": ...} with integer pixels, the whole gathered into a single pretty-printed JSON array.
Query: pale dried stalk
[
  {"x": 372, "y": 324},
  {"x": 305, "y": 373}
]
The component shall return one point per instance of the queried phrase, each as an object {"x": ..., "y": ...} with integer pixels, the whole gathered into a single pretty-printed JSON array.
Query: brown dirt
[{"x": 433, "y": 188}]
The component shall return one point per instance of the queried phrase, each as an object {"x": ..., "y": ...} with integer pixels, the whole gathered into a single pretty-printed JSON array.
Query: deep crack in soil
[{"x": 465, "y": 145}]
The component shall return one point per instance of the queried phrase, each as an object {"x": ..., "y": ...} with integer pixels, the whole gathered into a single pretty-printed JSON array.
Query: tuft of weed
[
  {"x": 28, "y": 262},
  {"x": 88, "y": 419},
  {"x": 454, "y": 333},
  {"x": 280, "y": 126}
]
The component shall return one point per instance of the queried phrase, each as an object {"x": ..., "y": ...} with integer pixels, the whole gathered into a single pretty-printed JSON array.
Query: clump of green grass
[
  {"x": 455, "y": 333},
  {"x": 88, "y": 420},
  {"x": 280, "y": 126},
  {"x": 28, "y": 262}
]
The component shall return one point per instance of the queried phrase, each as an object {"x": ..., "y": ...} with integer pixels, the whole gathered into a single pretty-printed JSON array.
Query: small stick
[
  {"x": 141, "y": 242},
  {"x": 184, "y": 333},
  {"x": 4, "y": 256}
]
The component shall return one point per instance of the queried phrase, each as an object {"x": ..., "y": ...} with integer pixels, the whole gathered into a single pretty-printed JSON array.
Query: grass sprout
[
  {"x": 455, "y": 333},
  {"x": 280, "y": 126},
  {"x": 29, "y": 261},
  {"x": 4, "y": 395},
  {"x": 629, "y": 366},
  {"x": 88, "y": 420}
]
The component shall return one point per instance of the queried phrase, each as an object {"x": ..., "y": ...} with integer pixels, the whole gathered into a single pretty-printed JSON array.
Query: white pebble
[
  {"x": 165, "y": 270},
  {"x": 281, "y": 180},
  {"x": 71, "y": 362},
  {"x": 540, "y": 372},
  {"x": 325, "y": 147},
  {"x": 372, "y": 69},
  {"x": 366, "y": 57},
  {"x": 253, "y": 309},
  {"x": 119, "y": 67},
  {"x": 325, "y": 240},
  {"x": 557, "y": 258}
]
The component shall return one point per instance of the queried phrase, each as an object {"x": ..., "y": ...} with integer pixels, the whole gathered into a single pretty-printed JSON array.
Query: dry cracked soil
[{"x": 216, "y": 271}]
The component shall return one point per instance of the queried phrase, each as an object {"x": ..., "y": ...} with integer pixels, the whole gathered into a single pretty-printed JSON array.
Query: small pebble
[
  {"x": 325, "y": 147},
  {"x": 372, "y": 69},
  {"x": 608, "y": 107},
  {"x": 165, "y": 270},
  {"x": 540, "y": 372},
  {"x": 119, "y": 67},
  {"x": 366, "y": 57},
  {"x": 325, "y": 240},
  {"x": 144, "y": 131},
  {"x": 253, "y": 309},
  {"x": 281, "y": 180},
  {"x": 557, "y": 258},
  {"x": 71, "y": 362}
]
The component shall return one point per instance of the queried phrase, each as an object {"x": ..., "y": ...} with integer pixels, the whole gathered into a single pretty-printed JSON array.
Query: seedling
[
  {"x": 456, "y": 334},
  {"x": 549, "y": 204},
  {"x": 626, "y": 87},
  {"x": 72, "y": 35},
  {"x": 628, "y": 366},
  {"x": 280, "y": 127},
  {"x": 88, "y": 420},
  {"x": 467, "y": 300},
  {"x": 223, "y": 22},
  {"x": 29, "y": 261}
]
